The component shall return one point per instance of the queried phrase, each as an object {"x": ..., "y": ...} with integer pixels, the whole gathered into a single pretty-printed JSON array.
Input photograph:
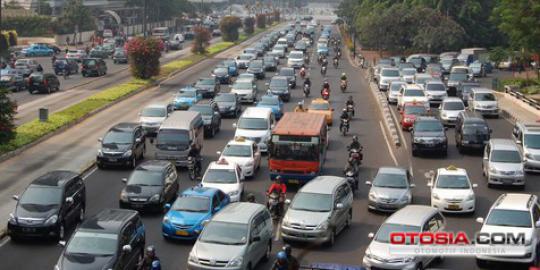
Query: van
[
  {"x": 256, "y": 124},
  {"x": 161, "y": 32},
  {"x": 502, "y": 163},
  {"x": 179, "y": 135},
  {"x": 527, "y": 136},
  {"x": 238, "y": 237},
  {"x": 319, "y": 222},
  {"x": 471, "y": 132},
  {"x": 282, "y": 41}
]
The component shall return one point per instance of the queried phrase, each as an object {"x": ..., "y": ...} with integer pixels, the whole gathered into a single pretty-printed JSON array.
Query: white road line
[
  {"x": 92, "y": 171},
  {"x": 411, "y": 169},
  {"x": 399, "y": 129},
  {"x": 5, "y": 241},
  {"x": 388, "y": 144}
]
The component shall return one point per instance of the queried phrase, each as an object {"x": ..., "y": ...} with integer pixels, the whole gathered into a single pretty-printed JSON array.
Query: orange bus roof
[{"x": 300, "y": 123}]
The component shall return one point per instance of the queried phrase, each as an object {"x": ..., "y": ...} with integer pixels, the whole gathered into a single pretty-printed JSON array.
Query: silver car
[
  {"x": 450, "y": 109},
  {"x": 393, "y": 93},
  {"x": 503, "y": 163},
  {"x": 152, "y": 116},
  {"x": 319, "y": 211},
  {"x": 390, "y": 190},
  {"x": 237, "y": 238}
]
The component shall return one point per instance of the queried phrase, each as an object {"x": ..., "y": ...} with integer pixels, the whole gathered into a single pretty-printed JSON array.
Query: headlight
[
  {"x": 372, "y": 196},
  {"x": 155, "y": 198},
  {"x": 52, "y": 220},
  {"x": 249, "y": 163},
  {"x": 193, "y": 258},
  {"x": 286, "y": 222},
  {"x": 99, "y": 153},
  {"x": 470, "y": 197},
  {"x": 127, "y": 153},
  {"x": 368, "y": 254},
  {"x": 407, "y": 259},
  {"x": 417, "y": 140},
  {"x": 236, "y": 262},
  {"x": 435, "y": 196},
  {"x": 123, "y": 196},
  {"x": 405, "y": 198},
  {"x": 529, "y": 156},
  {"x": 56, "y": 267},
  {"x": 443, "y": 114},
  {"x": 12, "y": 219},
  {"x": 234, "y": 193},
  {"x": 493, "y": 170},
  {"x": 166, "y": 219},
  {"x": 323, "y": 226}
]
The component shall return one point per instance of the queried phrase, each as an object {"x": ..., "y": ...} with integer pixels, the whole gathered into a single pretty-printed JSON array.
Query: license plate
[
  {"x": 137, "y": 205},
  {"x": 454, "y": 207},
  {"x": 508, "y": 181},
  {"x": 182, "y": 233},
  {"x": 36, "y": 83},
  {"x": 28, "y": 229},
  {"x": 294, "y": 181},
  {"x": 113, "y": 159}
]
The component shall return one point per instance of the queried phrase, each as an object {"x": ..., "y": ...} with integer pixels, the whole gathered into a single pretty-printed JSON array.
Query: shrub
[
  {"x": 8, "y": 109},
  {"x": 200, "y": 39},
  {"x": 229, "y": 27},
  {"x": 29, "y": 26},
  {"x": 261, "y": 21},
  {"x": 144, "y": 56},
  {"x": 249, "y": 25}
]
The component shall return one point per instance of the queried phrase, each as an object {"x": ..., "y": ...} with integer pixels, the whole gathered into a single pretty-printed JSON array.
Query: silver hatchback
[
  {"x": 502, "y": 163},
  {"x": 390, "y": 190}
]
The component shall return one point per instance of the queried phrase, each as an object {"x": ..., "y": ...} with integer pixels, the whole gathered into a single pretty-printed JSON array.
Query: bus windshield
[{"x": 295, "y": 151}]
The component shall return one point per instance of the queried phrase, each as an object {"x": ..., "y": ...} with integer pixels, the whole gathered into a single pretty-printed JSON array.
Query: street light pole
[{"x": 145, "y": 15}]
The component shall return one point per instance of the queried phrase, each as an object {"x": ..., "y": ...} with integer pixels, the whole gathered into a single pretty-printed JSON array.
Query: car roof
[
  {"x": 279, "y": 78},
  {"x": 427, "y": 118},
  {"x": 413, "y": 87},
  {"x": 515, "y": 201},
  {"x": 200, "y": 191},
  {"x": 124, "y": 127},
  {"x": 319, "y": 100},
  {"x": 452, "y": 99},
  {"x": 239, "y": 212},
  {"x": 413, "y": 215},
  {"x": 54, "y": 178},
  {"x": 300, "y": 123},
  {"x": 108, "y": 220},
  {"x": 257, "y": 112},
  {"x": 153, "y": 165},
  {"x": 481, "y": 90},
  {"x": 503, "y": 144},
  {"x": 392, "y": 170},
  {"x": 324, "y": 184}
]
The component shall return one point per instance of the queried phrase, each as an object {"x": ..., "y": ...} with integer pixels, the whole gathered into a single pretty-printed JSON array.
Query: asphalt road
[{"x": 103, "y": 186}]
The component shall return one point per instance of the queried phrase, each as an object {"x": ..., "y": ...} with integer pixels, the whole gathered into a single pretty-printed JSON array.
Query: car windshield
[
  {"x": 41, "y": 195},
  {"x": 478, "y": 128},
  {"x": 89, "y": 62},
  {"x": 458, "y": 77},
  {"x": 453, "y": 106},
  {"x": 390, "y": 73},
  {"x": 320, "y": 106},
  {"x": 295, "y": 55},
  {"x": 415, "y": 110},
  {"x": 253, "y": 123},
  {"x": 154, "y": 112},
  {"x": 484, "y": 97},
  {"x": 279, "y": 83},
  {"x": 531, "y": 141},
  {"x": 414, "y": 93},
  {"x": 144, "y": 177},
  {"x": 172, "y": 137},
  {"x": 208, "y": 81},
  {"x": 408, "y": 72},
  {"x": 390, "y": 180},
  {"x": 395, "y": 86},
  {"x": 224, "y": 233},
  {"x": 428, "y": 126},
  {"x": 192, "y": 204},
  {"x": 118, "y": 137},
  {"x": 383, "y": 235},
  {"x": 269, "y": 101},
  {"x": 452, "y": 182},
  {"x": 422, "y": 80},
  {"x": 229, "y": 63},
  {"x": 506, "y": 156},
  {"x": 100, "y": 244},
  {"x": 286, "y": 72},
  {"x": 447, "y": 62},
  {"x": 509, "y": 218},
  {"x": 435, "y": 69},
  {"x": 246, "y": 76},
  {"x": 220, "y": 176},
  {"x": 243, "y": 85},
  {"x": 221, "y": 70},
  {"x": 435, "y": 87},
  {"x": 269, "y": 59},
  {"x": 313, "y": 202},
  {"x": 256, "y": 64},
  {"x": 225, "y": 98},
  {"x": 385, "y": 62},
  {"x": 237, "y": 150}
]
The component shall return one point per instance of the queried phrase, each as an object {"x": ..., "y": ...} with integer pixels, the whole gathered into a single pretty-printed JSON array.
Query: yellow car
[{"x": 321, "y": 106}]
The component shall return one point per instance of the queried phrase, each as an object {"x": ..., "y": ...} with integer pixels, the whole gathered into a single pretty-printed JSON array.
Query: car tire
[
  {"x": 349, "y": 220},
  {"x": 419, "y": 267},
  {"x": 414, "y": 153},
  {"x": 332, "y": 239},
  {"x": 100, "y": 166},
  {"x": 49, "y": 90}
]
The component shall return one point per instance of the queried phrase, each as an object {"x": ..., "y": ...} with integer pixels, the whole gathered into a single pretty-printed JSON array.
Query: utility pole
[{"x": 145, "y": 17}]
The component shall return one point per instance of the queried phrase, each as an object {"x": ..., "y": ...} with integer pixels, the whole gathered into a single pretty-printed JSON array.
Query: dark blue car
[
  {"x": 61, "y": 63},
  {"x": 222, "y": 75}
]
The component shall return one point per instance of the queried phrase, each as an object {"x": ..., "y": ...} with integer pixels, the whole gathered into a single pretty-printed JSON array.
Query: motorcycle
[
  {"x": 352, "y": 179},
  {"x": 350, "y": 110},
  {"x": 339, "y": 54},
  {"x": 273, "y": 205},
  {"x": 336, "y": 63},
  {"x": 343, "y": 85},
  {"x": 306, "y": 90},
  {"x": 355, "y": 156},
  {"x": 323, "y": 70},
  {"x": 193, "y": 170},
  {"x": 303, "y": 73},
  {"x": 344, "y": 127},
  {"x": 325, "y": 94}
]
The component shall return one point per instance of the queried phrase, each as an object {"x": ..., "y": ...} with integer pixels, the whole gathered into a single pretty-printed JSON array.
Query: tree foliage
[
  {"x": 164, "y": 9},
  {"x": 249, "y": 25},
  {"x": 261, "y": 21},
  {"x": 229, "y": 27},
  {"x": 28, "y": 26},
  {"x": 201, "y": 39},
  {"x": 8, "y": 109},
  {"x": 144, "y": 56},
  {"x": 75, "y": 15}
]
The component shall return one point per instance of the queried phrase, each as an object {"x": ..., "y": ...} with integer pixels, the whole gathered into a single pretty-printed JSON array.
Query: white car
[
  {"x": 295, "y": 59},
  {"x": 393, "y": 91},
  {"x": 450, "y": 109},
  {"x": 435, "y": 91},
  {"x": 452, "y": 191},
  {"x": 256, "y": 124},
  {"x": 279, "y": 50},
  {"x": 513, "y": 213},
  {"x": 152, "y": 116},
  {"x": 411, "y": 93},
  {"x": 483, "y": 101},
  {"x": 246, "y": 90},
  {"x": 243, "y": 152},
  {"x": 243, "y": 60},
  {"x": 386, "y": 76},
  {"x": 247, "y": 77},
  {"x": 226, "y": 176},
  {"x": 407, "y": 74}
]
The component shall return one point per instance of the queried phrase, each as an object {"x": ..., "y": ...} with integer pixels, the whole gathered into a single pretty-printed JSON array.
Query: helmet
[
  {"x": 343, "y": 74},
  {"x": 250, "y": 197},
  {"x": 288, "y": 250},
  {"x": 278, "y": 179},
  {"x": 355, "y": 138},
  {"x": 300, "y": 103},
  {"x": 151, "y": 250},
  {"x": 282, "y": 256},
  {"x": 344, "y": 110}
]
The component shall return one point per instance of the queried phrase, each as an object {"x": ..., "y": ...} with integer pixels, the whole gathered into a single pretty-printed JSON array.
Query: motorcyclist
[
  {"x": 53, "y": 59},
  {"x": 336, "y": 61},
  {"x": 303, "y": 71},
  {"x": 299, "y": 107},
  {"x": 324, "y": 62},
  {"x": 293, "y": 262},
  {"x": 343, "y": 76},
  {"x": 281, "y": 262},
  {"x": 344, "y": 116},
  {"x": 279, "y": 187},
  {"x": 326, "y": 86},
  {"x": 195, "y": 156},
  {"x": 150, "y": 260},
  {"x": 355, "y": 144},
  {"x": 307, "y": 81}
]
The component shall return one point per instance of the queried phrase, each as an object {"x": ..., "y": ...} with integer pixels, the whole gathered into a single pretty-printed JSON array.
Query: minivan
[
  {"x": 319, "y": 211},
  {"x": 181, "y": 133},
  {"x": 93, "y": 66},
  {"x": 471, "y": 131},
  {"x": 502, "y": 163},
  {"x": 256, "y": 124},
  {"x": 239, "y": 236},
  {"x": 527, "y": 136}
]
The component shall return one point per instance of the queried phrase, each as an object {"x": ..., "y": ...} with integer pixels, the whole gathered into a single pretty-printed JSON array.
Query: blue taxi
[{"x": 186, "y": 97}]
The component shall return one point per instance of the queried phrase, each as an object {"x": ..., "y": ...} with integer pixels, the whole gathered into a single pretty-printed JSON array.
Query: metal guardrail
[{"x": 512, "y": 90}]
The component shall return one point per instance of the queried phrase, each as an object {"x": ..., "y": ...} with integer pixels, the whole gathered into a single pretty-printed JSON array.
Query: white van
[
  {"x": 161, "y": 32},
  {"x": 256, "y": 124},
  {"x": 282, "y": 41}
]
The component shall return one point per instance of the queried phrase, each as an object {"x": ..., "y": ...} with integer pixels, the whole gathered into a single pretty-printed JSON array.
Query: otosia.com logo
[{"x": 457, "y": 244}]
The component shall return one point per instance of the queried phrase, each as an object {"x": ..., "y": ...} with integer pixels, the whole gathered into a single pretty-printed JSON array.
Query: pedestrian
[{"x": 67, "y": 40}]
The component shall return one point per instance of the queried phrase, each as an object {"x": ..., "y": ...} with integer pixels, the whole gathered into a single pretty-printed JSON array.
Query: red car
[{"x": 410, "y": 111}]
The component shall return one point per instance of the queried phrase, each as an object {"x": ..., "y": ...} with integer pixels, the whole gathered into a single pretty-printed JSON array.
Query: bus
[{"x": 297, "y": 147}]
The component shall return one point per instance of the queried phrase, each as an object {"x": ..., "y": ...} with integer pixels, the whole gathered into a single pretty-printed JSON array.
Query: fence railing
[{"x": 512, "y": 90}]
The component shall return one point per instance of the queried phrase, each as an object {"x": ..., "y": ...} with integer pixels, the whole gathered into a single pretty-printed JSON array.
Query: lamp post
[{"x": 145, "y": 15}]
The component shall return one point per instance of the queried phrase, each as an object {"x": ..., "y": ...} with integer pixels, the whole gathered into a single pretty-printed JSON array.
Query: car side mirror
[
  {"x": 15, "y": 197},
  {"x": 537, "y": 224},
  {"x": 126, "y": 249},
  {"x": 445, "y": 128},
  {"x": 429, "y": 184},
  {"x": 167, "y": 206},
  {"x": 216, "y": 209},
  {"x": 339, "y": 206},
  {"x": 485, "y": 158},
  {"x": 368, "y": 183},
  {"x": 371, "y": 235},
  {"x": 287, "y": 201},
  {"x": 490, "y": 131},
  {"x": 267, "y": 84},
  {"x": 480, "y": 220},
  {"x": 412, "y": 185},
  {"x": 256, "y": 239},
  {"x": 218, "y": 153},
  {"x": 124, "y": 180},
  {"x": 518, "y": 141},
  {"x": 474, "y": 185},
  {"x": 69, "y": 200},
  {"x": 62, "y": 243},
  {"x": 234, "y": 125},
  {"x": 138, "y": 140}
]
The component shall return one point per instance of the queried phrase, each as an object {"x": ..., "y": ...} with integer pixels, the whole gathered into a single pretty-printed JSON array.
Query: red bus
[{"x": 297, "y": 147}]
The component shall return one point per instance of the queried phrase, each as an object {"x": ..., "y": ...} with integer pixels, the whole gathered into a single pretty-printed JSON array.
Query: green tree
[
  {"x": 261, "y": 21},
  {"x": 44, "y": 8},
  {"x": 498, "y": 54},
  {"x": 249, "y": 25},
  {"x": 201, "y": 39},
  {"x": 8, "y": 109},
  {"x": 75, "y": 15},
  {"x": 229, "y": 27}
]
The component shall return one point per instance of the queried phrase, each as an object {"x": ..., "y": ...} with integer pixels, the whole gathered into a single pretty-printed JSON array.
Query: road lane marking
[
  {"x": 388, "y": 144},
  {"x": 278, "y": 232},
  {"x": 398, "y": 128},
  {"x": 5, "y": 241},
  {"x": 92, "y": 171}
]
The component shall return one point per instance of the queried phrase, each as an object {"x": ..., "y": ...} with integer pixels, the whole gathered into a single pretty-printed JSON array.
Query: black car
[
  {"x": 222, "y": 75},
  {"x": 99, "y": 52},
  {"x": 280, "y": 86},
  {"x": 93, "y": 66},
  {"x": 43, "y": 83},
  {"x": 428, "y": 135},
  {"x": 209, "y": 86},
  {"x": 122, "y": 145},
  {"x": 270, "y": 63},
  {"x": 150, "y": 186},
  {"x": 256, "y": 67},
  {"x": 61, "y": 64},
  {"x": 48, "y": 206},
  {"x": 290, "y": 74},
  {"x": 228, "y": 104},
  {"x": 12, "y": 82},
  {"x": 112, "y": 239},
  {"x": 259, "y": 49},
  {"x": 471, "y": 132},
  {"x": 211, "y": 118}
]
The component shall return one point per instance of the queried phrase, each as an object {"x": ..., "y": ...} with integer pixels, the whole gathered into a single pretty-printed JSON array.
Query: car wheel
[
  {"x": 100, "y": 166},
  {"x": 81, "y": 214},
  {"x": 349, "y": 220},
  {"x": 84, "y": 74},
  {"x": 419, "y": 267},
  {"x": 268, "y": 252},
  {"x": 219, "y": 126},
  {"x": 49, "y": 90},
  {"x": 414, "y": 153},
  {"x": 332, "y": 239},
  {"x": 142, "y": 153}
]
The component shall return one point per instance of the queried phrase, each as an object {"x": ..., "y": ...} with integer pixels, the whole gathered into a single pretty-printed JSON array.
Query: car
[
  {"x": 471, "y": 131},
  {"x": 393, "y": 92},
  {"x": 243, "y": 60},
  {"x": 463, "y": 90},
  {"x": 37, "y": 50},
  {"x": 279, "y": 51},
  {"x": 421, "y": 79},
  {"x": 428, "y": 134},
  {"x": 435, "y": 91},
  {"x": 291, "y": 37},
  {"x": 295, "y": 59},
  {"x": 389, "y": 62},
  {"x": 48, "y": 207},
  {"x": 323, "y": 107},
  {"x": 120, "y": 57},
  {"x": 322, "y": 49},
  {"x": 247, "y": 77},
  {"x": 238, "y": 237},
  {"x": 409, "y": 219},
  {"x": 53, "y": 47},
  {"x": 449, "y": 110},
  {"x": 189, "y": 213},
  {"x": 246, "y": 91},
  {"x": 411, "y": 111},
  {"x": 411, "y": 93},
  {"x": 319, "y": 222},
  {"x": 61, "y": 64},
  {"x": 12, "y": 82},
  {"x": 186, "y": 97},
  {"x": 110, "y": 238},
  {"x": 387, "y": 75},
  {"x": 208, "y": 86},
  {"x": 452, "y": 191},
  {"x": 390, "y": 189},
  {"x": 43, "y": 83},
  {"x": 256, "y": 67},
  {"x": 512, "y": 213},
  {"x": 300, "y": 46},
  {"x": 447, "y": 64},
  {"x": 28, "y": 65},
  {"x": 174, "y": 44},
  {"x": 179, "y": 37},
  {"x": 456, "y": 78},
  {"x": 270, "y": 63},
  {"x": 245, "y": 153},
  {"x": 273, "y": 102},
  {"x": 484, "y": 101},
  {"x": 259, "y": 49},
  {"x": 122, "y": 145},
  {"x": 251, "y": 50},
  {"x": 77, "y": 55},
  {"x": 152, "y": 116},
  {"x": 435, "y": 71},
  {"x": 404, "y": 65},
  {"x": 99, "y": 52},
  {"x": 210, "y": 116},
  {"x": 290, "y": 74},
  {"x": 527, "y": 136},
  {"x": 226, "y": 176},
  {"x": 280, "y": 86},
  {"x": 256, "y": 124},
  {"x": 502, "y": 163},
  {"x": 419, "y": 62},
  {"x": 231, "y": 67},
  {"x": 275, "y": 55},
  {"x": 377, "y": 71},
  {"x": 93, "y": 66},
  {"x": 228, "y": 104},
  {"x": 222, "y": 75},
  {"x": 407, "y": 74}
]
